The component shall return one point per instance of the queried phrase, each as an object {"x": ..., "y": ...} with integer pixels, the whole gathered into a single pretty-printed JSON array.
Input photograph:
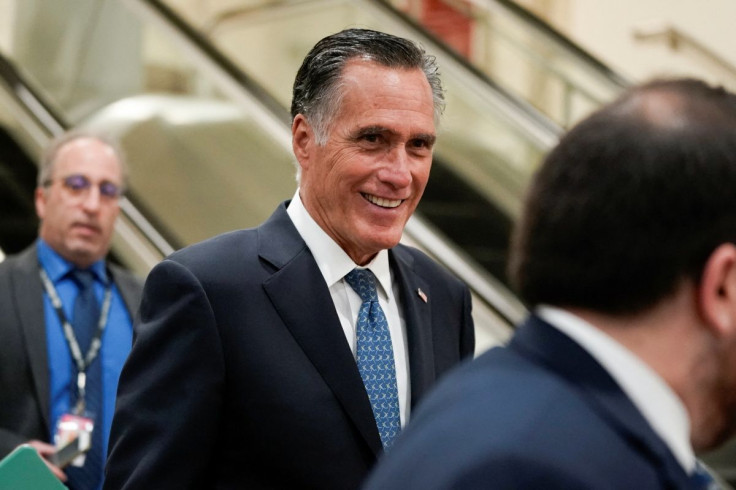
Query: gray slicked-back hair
[{"x": 317, "y": 93}]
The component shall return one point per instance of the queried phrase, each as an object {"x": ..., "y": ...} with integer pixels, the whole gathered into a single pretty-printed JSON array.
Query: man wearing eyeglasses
[{"x": 66, "y": 312}]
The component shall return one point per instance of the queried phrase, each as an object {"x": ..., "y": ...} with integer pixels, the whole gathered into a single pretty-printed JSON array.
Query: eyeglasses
[{"x": 78, "y": 184}]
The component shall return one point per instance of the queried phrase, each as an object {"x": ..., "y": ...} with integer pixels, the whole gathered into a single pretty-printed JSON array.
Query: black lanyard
[{"x": 94, "y": 348}]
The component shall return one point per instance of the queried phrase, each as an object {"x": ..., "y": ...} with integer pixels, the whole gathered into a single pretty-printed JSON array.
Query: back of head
[
  {"x": 316, "y": 92},
  {"x": 631, "y": 202}
]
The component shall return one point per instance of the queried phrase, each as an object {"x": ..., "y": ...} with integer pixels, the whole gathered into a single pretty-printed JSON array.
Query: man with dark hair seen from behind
[
  {"x": 290, "y": 355},
  {"x": 44, "y": 384},
  {"x": 626, "y": 369}
]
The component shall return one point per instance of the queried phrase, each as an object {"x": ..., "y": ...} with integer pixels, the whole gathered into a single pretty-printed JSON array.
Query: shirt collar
[
  {"x": 332, "y": 260},
  {"x": 57, "y": 267},
  {"x": 652, "y": 396}
]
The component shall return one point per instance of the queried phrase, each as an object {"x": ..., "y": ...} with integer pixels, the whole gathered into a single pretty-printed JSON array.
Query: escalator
[
  {"x": 208, "y": 146},
  {"x": 201, "y": 110}
]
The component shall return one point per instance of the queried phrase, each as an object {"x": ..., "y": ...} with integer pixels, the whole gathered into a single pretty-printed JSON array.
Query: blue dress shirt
[{"x": 117, "y": 339}]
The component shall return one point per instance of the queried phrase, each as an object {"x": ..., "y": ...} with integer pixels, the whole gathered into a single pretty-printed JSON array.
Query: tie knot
[
  {"x": 363, "y": 282},
  {"x": 84, "y": 278}
]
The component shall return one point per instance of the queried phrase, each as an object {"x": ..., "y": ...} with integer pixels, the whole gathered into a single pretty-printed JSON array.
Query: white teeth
[{"x": 384, "y": 203}]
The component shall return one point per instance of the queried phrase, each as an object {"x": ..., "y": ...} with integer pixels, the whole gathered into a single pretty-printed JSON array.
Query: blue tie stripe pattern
[
  {"x": 375, "y": 357},
  {"x": 85, "y": 323}
]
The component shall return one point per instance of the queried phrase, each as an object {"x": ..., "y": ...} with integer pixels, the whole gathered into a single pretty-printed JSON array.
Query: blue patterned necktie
[
  {"x": 85, "y": 318},
  {"x": 375, "y": 357}
]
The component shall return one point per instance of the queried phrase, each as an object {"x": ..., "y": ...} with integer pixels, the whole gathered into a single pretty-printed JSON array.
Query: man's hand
[{"x": 45, "y": 450}]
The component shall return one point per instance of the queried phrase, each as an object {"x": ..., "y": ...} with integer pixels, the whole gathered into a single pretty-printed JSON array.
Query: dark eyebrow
[
  {"x": 426, "y": 137},
  {"x": 371, "y": 130}
]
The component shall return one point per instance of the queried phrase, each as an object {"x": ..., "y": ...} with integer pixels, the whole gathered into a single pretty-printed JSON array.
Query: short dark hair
[
  {"x": 316, "y": 89},
  {"x": 632, "y": 201}
]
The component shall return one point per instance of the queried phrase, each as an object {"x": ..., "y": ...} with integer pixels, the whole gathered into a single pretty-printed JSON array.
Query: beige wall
[
  {"x": 6, "y": 24},
  {"x": 607, "y": 29}
]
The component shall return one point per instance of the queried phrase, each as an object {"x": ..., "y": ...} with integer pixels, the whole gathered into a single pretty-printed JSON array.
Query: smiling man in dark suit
[
  {"x": 290, "y": 355},
  {"x": 79, "y": 185},
  {"x": 627, "y": 367}
]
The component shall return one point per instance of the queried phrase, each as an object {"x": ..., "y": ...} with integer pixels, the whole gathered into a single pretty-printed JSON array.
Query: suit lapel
[
  {"x": 548, "y": 346},
  {"x": 300, "y": 296},
  {"x": 28, "y": 296},
  {"x": 417, "y": 316}
]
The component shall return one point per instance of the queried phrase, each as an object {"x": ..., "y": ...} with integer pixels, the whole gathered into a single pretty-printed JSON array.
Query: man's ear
[
  {"x": 717, "y": 290},
  {"x": 39, "y": 197},
  {"x": 302, "y": 140}
]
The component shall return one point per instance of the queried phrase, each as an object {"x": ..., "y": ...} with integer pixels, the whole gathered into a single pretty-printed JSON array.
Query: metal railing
[{"x": 678, "y": 40}]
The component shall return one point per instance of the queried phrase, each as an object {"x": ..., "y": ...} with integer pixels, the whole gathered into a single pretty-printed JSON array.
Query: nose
[
  {"x": 92, "y": 199},
  {"x": 397, "y": 170}
]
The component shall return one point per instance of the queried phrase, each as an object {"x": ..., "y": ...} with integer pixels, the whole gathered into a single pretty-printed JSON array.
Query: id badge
[{"x": 77, "y": 430}]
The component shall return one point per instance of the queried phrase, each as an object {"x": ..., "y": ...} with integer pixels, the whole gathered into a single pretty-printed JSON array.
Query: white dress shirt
[
  {"x": 654, "y": 398},
  {"x": 334, "y": 264}
]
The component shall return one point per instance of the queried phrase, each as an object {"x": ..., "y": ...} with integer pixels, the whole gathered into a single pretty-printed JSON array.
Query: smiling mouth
[{"x": 384, "y": 203}]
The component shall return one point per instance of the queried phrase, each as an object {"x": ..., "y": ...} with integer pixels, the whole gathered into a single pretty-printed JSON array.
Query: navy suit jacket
[
  {"x": 540, "y": 413},
  {"x": 24, "y": 368},
  {"x": 240, "y": 375}
]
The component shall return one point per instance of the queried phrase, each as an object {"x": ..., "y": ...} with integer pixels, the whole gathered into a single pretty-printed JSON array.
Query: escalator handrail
[
  {"x": 37, "y": 107},
  {"x": 499, "y": 298}
]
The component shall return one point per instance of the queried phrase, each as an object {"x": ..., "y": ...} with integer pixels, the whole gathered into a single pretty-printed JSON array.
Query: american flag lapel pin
[{"x": 421, "y": 294}]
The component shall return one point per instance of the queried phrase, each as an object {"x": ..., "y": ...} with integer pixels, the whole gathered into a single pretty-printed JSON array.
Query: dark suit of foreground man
[
  {"x": 243, "y": 373},
  {"x": 79, "y": 185},
  {"x": 627, "y": 368}
]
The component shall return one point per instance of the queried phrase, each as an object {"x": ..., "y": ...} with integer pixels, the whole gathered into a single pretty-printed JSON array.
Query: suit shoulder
[
  {"x": 218, "y": 248},
  {"x": 515, "y": 417},
  {"x": 7, "y": 264},
  {"x": 514, "y": 397},
  {"x": 24, "y": 262}
]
